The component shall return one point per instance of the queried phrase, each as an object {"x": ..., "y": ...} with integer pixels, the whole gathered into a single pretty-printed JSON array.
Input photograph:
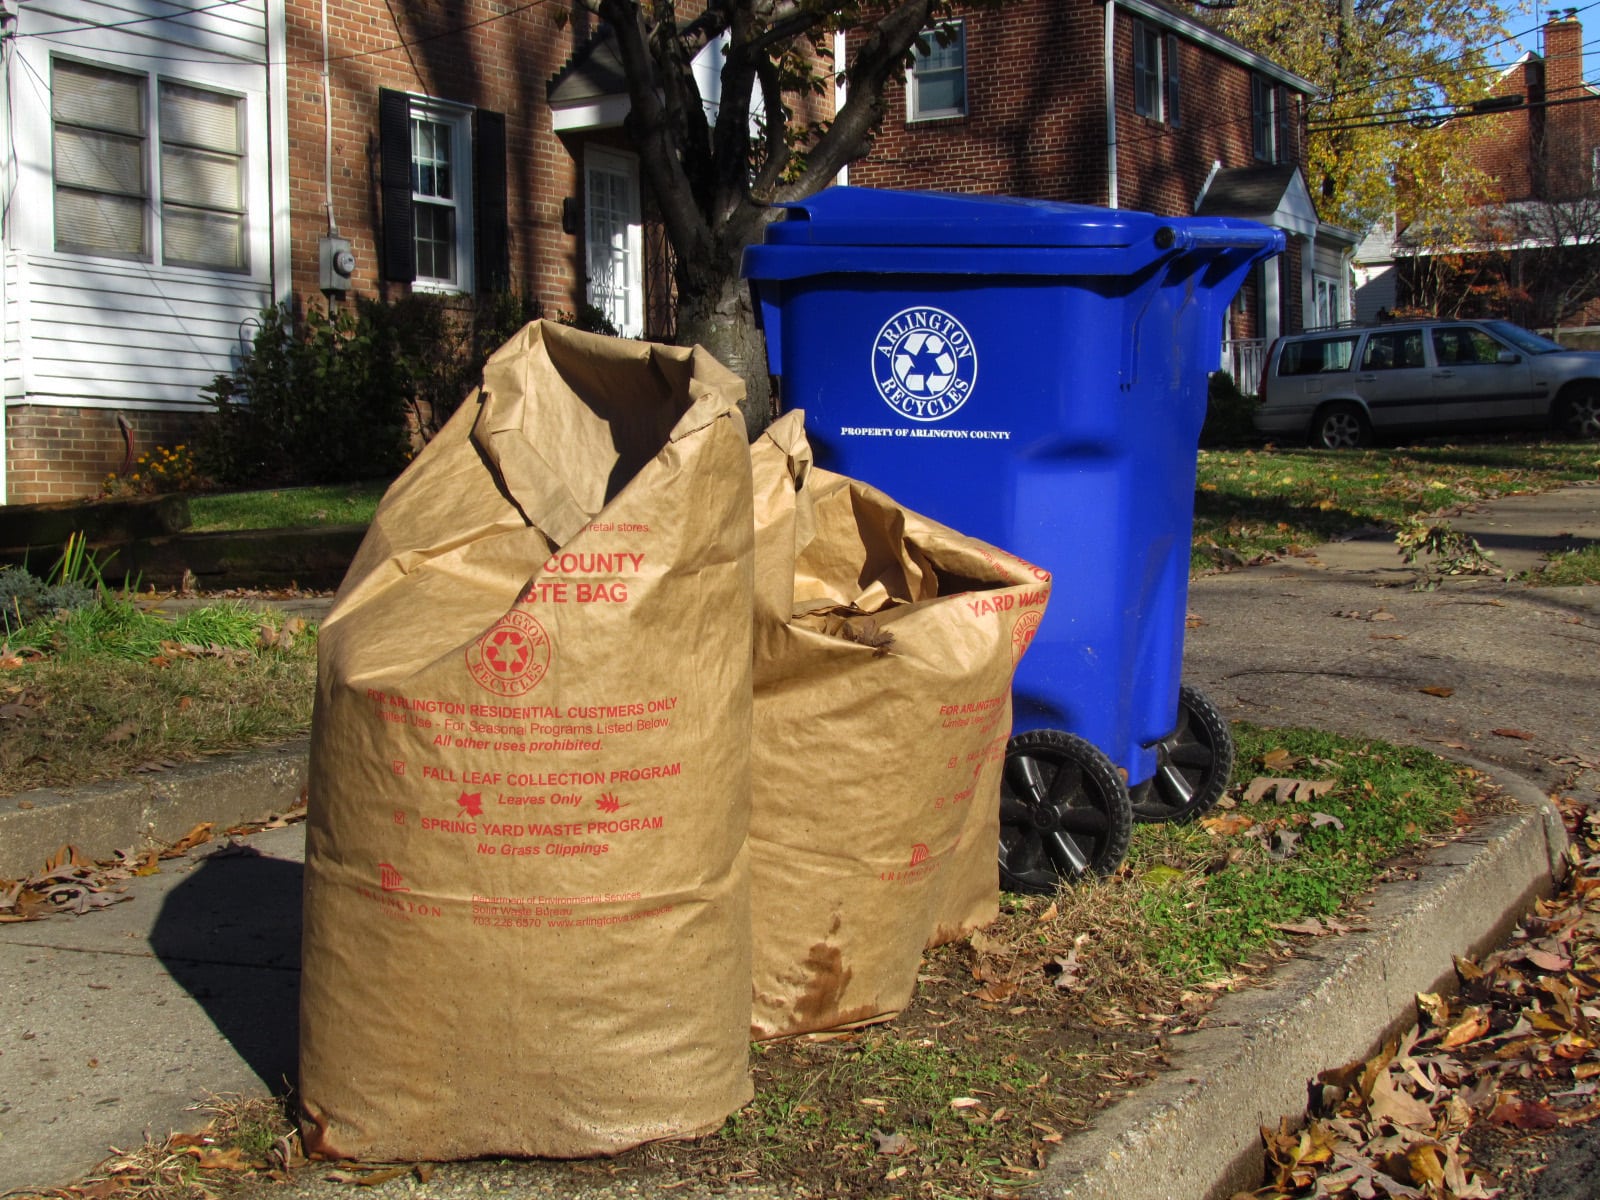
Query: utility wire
[
  {"x": 172, "y": 16},
  {"x": 314, "y": 60}
]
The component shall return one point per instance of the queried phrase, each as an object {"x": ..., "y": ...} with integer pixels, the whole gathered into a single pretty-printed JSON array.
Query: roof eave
[{"x": 1199, "y": 32}]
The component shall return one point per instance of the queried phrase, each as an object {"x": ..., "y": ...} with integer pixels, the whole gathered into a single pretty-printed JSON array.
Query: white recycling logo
[{"x": 924, "y": 363}]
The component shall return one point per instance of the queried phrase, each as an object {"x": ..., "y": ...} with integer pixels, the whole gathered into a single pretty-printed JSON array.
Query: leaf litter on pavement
[
  {"x": 1513, "y": 1051},
  {"x": 69, "y": 883}
]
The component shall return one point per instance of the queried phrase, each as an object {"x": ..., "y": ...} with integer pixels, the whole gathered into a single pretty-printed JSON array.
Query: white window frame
[
  {"x": 1327, "y": 300},
  {"x": 915, "y": 111},
  {"x": 457, "y": 119},
  {"x": 622, "y": 230},
  {"x": 153, "y": 199}
]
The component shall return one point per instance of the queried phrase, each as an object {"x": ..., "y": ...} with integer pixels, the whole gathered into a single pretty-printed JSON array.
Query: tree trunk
[{"x": 722, "y": 320}]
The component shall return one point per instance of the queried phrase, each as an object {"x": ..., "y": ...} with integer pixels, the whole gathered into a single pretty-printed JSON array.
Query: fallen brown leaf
[
  {"x": 1520, "y": 734},
  {"x": 1311, "y": 928},
  {"x": 1227, "y": 826},
  {"x": 1269, "y": 787},
  {"x": 1437, "y": 690},
  {"x": 1474, "y": 1023},
  {"x": 1523, "y": 1114},
  {"x": 1392, "y": 1103},
  {"x": 121, "y": 733}
]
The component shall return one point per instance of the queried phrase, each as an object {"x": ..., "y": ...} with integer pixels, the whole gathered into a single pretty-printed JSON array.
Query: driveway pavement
[{"x": 114, "y": 1024}]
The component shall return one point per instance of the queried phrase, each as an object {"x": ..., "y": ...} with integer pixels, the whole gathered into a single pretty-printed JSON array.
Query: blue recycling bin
[{"x": 1032, "y": 373}]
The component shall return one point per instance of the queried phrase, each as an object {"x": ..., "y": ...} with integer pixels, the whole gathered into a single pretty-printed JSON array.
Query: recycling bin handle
[{"x": 1218, "y": 237}]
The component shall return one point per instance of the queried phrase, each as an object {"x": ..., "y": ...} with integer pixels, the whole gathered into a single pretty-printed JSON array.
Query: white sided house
[{"x": 145, "y": 222}]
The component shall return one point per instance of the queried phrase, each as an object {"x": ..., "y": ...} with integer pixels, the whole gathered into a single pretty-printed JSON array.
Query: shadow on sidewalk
[{"x": 230, "y": 935}]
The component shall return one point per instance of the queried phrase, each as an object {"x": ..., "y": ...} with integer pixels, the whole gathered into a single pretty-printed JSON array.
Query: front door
[{"x": 614, "y": 238}]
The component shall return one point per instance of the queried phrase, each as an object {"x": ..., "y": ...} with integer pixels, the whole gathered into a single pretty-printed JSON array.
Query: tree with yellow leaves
[{"x": 1390, "y": 73}]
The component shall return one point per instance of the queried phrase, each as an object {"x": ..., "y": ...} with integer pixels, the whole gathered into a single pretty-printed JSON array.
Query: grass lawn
[
  {"x": 1248, "y": 501},
  {"x": 285, "y": 508},
  {"x": 1276, "y": 498},
  {"x": 1264, "y": 501}
]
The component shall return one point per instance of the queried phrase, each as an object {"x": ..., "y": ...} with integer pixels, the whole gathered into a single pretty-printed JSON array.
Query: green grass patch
[
  {"x": 1271, "y": 862},
  {"x": 101, "y": 691},
  {"x": 286, "y": 508},
  {"x": 1571, "y": 568},
  {"x": 1268, "y": 501}
]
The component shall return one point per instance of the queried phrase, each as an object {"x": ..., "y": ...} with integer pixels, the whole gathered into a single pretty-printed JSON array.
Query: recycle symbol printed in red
[
  {"x": 511, "y": 657},
  {"x": 507, "y": 652}
]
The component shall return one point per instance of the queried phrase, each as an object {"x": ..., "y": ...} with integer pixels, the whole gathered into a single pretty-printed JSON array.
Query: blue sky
[{"x": 1526, "y": 21}]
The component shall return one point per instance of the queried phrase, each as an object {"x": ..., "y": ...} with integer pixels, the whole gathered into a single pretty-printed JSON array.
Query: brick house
[
  {"x": 1131, "y": 104},
  {"x": 171, "y": 174},
  {"x": 172, "y": 171},
  {"x": 1539, "y": 144}
]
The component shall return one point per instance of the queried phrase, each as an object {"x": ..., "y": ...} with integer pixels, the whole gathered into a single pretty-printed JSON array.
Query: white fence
[{"x": 1242, "y": 358}]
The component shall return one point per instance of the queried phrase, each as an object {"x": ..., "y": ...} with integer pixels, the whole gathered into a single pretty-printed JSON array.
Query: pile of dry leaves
[{"x": 1514, "y": 1049}]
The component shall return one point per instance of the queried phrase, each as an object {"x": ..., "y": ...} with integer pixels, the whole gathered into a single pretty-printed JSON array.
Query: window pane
[
  {"x": 108, "y": 100},
  {"x": 430, "y": 159},
  {"x": 202, "y": 239},
  {"x": 208, "y": 180},
  {"x": 939, "y": 76},
  {"x": 197, "y": 118},
  {"x": 95, "y": 223},
  {"x": 1146, "y": 72},
  {"x": 940, "y": 57},
  {"x": 945, "y": 91},
  {"x": 105, "y": 162},
  {"x": 435, "y": 227}
]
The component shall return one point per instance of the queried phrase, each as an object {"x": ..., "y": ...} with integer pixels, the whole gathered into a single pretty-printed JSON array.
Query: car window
[
  {"x": 1528, "y": 343},
  {"x": 1313, "y": 356},
  {"x": 1393, "y": 349},
  {"x": 1469, "y": 346}
]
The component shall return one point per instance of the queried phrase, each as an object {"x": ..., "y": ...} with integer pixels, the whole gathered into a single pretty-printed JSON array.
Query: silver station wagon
[{"x": 1339, "y": 387}]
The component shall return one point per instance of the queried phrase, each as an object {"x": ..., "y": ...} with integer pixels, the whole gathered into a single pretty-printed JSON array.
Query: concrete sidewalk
[{"x": 116, "y": 1022}]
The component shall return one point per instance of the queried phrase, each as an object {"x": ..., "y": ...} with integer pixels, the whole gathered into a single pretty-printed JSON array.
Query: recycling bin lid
[{"x": 856, "y": 216}]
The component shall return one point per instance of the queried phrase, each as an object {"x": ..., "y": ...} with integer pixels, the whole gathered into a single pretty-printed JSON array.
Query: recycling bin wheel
[
  {"x": 1064, "y": 812},
  {"x": 1193, "y": 763}
]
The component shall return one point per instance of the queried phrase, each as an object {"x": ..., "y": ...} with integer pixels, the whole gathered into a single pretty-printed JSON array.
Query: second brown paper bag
[{"x": 885, "y": 644}]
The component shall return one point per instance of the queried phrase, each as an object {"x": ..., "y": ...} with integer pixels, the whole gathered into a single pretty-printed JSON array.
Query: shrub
[
  {"x": 1228, "y": 413},
  {"x": 26, "y": 599},
  {"x": 331, "y": 397}
]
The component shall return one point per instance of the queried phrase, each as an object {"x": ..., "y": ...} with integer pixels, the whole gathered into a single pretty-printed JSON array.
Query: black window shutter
[
  {"x": 399, "y": 251},
  {"x": 489, "y": 200},
  {"x": 1172, "y": 79}
]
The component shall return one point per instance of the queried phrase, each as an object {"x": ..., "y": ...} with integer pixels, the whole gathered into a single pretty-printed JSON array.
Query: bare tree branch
[{"x": 848, "y": 138}]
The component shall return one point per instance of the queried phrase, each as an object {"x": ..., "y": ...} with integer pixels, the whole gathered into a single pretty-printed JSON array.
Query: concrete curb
[
  {"x": 145, "y": 810},
  {"x": 1195, "y": 1132}
]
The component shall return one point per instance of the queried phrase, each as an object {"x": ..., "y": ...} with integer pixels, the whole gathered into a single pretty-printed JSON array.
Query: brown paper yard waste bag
[
  {"x": 885, "y": 644},
  {"x": 527, "y": 907}
]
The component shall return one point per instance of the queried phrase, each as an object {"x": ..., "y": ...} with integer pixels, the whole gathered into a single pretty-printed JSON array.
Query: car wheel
[
  {"x": 1578, "y": 414},
  {"x": 1064, "y": 812},
  {"x": 1340, "y": 427},
  {"x": 1193, "y": 763}
]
